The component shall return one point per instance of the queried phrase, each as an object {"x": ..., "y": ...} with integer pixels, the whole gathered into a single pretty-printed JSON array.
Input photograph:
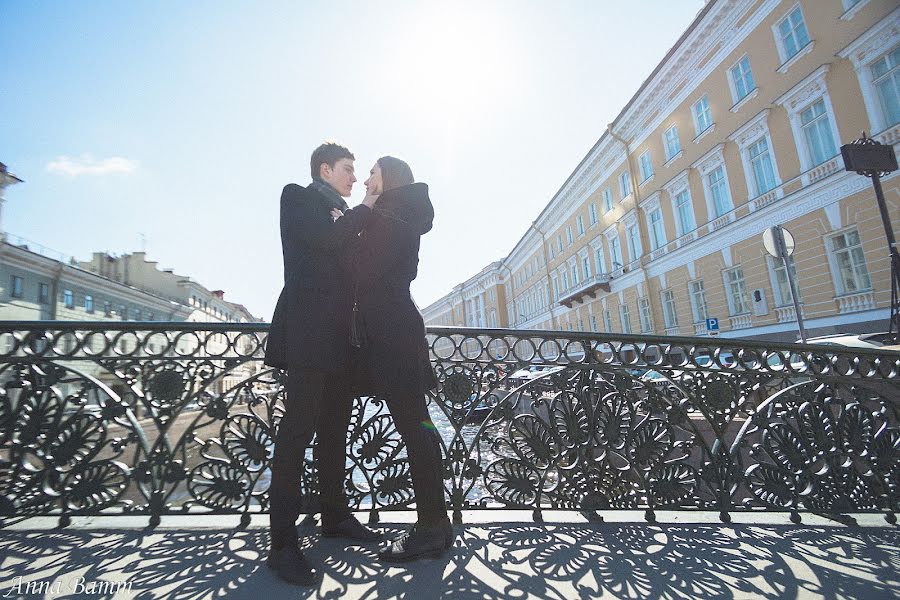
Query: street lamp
[{"x": 874, "y": 159}]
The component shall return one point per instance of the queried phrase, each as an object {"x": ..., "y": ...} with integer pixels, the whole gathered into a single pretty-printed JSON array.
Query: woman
[{"x": 392, "y": 361}]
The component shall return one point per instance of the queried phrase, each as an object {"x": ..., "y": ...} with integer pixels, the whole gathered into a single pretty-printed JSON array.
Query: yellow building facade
[{"x": 738, "y": 129}]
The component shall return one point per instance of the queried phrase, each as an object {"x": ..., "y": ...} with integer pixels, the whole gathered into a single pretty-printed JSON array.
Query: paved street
[{"x": 496, "y": 555}]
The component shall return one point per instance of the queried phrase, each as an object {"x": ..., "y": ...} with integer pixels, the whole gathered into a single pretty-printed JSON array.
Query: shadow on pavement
[{"x": 510, "y": 560}]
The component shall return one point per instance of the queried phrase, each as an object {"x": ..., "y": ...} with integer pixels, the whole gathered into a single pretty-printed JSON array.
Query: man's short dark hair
[{"x": 328, "y": 153}]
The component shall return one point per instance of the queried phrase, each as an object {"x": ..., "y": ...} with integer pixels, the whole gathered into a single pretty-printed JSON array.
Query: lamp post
[{"x": 874, "y": 160}]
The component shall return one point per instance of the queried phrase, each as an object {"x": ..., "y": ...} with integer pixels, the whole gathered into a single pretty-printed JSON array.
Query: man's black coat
[{"x": 310, "y": 327}]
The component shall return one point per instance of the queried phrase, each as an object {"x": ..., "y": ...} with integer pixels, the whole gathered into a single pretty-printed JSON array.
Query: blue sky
[{"x": 182, "y": 121}]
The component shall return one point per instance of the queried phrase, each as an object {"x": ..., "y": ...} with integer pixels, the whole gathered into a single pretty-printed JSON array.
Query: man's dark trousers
[{"x": 317, "y": 402}]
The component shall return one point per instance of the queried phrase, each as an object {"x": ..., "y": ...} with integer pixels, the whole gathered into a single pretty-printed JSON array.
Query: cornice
[
  {"x": 812, "y": 86},
  {"x": 869, "y": 45},
  {"x": 752, "y": 130}
]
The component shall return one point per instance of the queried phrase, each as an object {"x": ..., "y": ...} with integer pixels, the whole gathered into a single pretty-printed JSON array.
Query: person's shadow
[{"x": 499, "y": 559}]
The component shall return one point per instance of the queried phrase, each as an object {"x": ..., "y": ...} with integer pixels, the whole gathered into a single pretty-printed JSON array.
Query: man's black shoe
[
  {"x": 292, "y": 566},
  {"x": 429, "y": 541},
  {"x": 352, "y": 529}
]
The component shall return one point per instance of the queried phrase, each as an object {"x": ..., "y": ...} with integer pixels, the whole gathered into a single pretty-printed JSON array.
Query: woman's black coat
[
  {"x": 311, "y": 324},
  {"x": 394, "y": 360}
]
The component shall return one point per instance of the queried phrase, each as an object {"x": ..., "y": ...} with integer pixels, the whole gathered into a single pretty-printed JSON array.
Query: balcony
[
  {"x": 743, "y": 321},
  {"x": 850, "y": 303},
  {"x": 588, "y": 287},
  {"x": 102, "y": 438}
]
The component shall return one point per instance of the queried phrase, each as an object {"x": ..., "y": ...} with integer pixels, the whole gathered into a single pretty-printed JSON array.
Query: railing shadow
[{"x": 516, "y": 560}]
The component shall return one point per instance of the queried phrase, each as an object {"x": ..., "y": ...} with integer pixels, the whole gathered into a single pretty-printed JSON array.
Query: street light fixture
[{"x": 874, "y": 160}]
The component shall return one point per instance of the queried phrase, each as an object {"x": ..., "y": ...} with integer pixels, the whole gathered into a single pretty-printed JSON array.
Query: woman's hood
[{"x": 409, "y": 204}]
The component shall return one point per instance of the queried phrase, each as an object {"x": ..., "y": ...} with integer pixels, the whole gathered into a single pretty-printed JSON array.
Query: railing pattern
[{"x": 153, "y": 419}]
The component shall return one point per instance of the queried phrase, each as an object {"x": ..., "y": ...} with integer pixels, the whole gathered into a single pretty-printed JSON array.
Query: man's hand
[
  {"x": 370, "y": 200},
  {"x": 336, "y": 214}
]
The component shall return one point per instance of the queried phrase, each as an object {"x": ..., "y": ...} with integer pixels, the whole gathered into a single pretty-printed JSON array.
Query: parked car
[
  {"x": 531, "y": 372},
  {"x": 852, "y": 340}
]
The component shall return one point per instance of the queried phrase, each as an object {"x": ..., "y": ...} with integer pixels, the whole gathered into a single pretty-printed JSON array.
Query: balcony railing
[
  {"x": 588, "y": 287},
  {"x": 92, "y": 421}
]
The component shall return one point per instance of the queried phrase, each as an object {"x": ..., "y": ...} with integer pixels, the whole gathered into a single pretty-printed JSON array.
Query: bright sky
[{"x": 182, "y": 121}]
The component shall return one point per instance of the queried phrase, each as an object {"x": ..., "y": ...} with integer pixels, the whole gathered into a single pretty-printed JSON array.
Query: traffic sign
[
  {"x": 712, "y": 324},
  {"x": 770, "y": 241}
]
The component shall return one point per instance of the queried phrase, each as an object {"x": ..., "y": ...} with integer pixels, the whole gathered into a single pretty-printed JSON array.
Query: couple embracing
[{"x": 346, "y": 266}]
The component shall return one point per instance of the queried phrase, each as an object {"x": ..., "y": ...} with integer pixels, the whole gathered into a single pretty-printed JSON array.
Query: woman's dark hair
[{"x": 394, "y": 173}]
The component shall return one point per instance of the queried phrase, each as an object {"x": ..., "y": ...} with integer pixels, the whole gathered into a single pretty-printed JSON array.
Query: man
[{"x": 309, "y": 337}]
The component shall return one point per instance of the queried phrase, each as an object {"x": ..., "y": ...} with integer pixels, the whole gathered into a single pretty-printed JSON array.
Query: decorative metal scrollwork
[{"x": 170, "y": 418}]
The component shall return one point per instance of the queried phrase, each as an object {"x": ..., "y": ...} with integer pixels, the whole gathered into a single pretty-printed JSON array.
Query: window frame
[
  {"x": 837, "y": 280},
  {"x": 788, "y": 59},
  {"x": 736, "y": 96},
  {"x": 733, "y": 308},
  {"x": 16, "y": 286},
  {"x": 696, "y": 116},
  {"x": 671, "y": 153}
]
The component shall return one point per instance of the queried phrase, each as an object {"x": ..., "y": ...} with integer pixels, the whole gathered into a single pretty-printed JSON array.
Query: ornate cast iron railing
[{"x": 163, "y": 418}]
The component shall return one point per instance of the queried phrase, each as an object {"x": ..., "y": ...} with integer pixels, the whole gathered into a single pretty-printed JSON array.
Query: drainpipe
[
  {"x": 642, "y": 224},
  {"x": 547, "y": 269},
  {"x": 54, "y": 291}
]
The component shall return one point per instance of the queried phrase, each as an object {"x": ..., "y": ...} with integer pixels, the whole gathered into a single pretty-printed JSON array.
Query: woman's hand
[
  {"x": 370, "y": 200},
  {"x": 336, "y": 214}
]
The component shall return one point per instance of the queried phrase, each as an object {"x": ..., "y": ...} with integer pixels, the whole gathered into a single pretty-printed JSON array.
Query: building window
[
  {"x": 89, "y": 304},
  {"x": 565, "y": 281},
  {"x": 615, "y": 250},
  {"x": 574, "y": 268},
  {"x": 491, "y": 294},
  {"x": 551, "y": 251},
  {"x": 780, "y": 281},
  {"x": 886, "y": 79},
  {"x": 646, "y": 166},
  {"x": 657, "y": 230},
  {"x": 634, "y": 241},
  {"x": 792, "y": 34},
  {"x": 594, "y": 327},
  {"x": 16, "y": 286},
  {"x": 579, "y": 223},
  {"x": 644, "y": 314},
  {"x": 607, "y": 321},
  {"x": 625, "y": 184},
  {"x": 741, "y": 79},
  {"x": 43, "y": 293},
  {"x": 761, "y": 166},
  {"x": 718, "y": 189},
  {"x": 817, "y": 133},
  {"x": 68, "y": 299},
  {"x": 669, "y": 312},
  {"x": 555, "y": 289},
  {"x": 625, "y": 315},
  {"x": 698, "y": 301},
  {"x": 592, "y": 213},
  {"x": 107, "y": 309},
  {"x": 136, "y": 315},
  {"x": 559, "y": 243},
  {"x": 702, "y": 115},
  {"x": 673, "y": 146},
  {"x": 607, "y": 200},
  {"x": 586, "y": 265},
  {"x": 684, "y": 212},
  {"x": 600, "y": 259},
  {"x": 848, "y": 263},
  {"x": 569, "y": 238},
  {"x": 123, "y": 312},
  {"x": 736, "y": 291}
]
